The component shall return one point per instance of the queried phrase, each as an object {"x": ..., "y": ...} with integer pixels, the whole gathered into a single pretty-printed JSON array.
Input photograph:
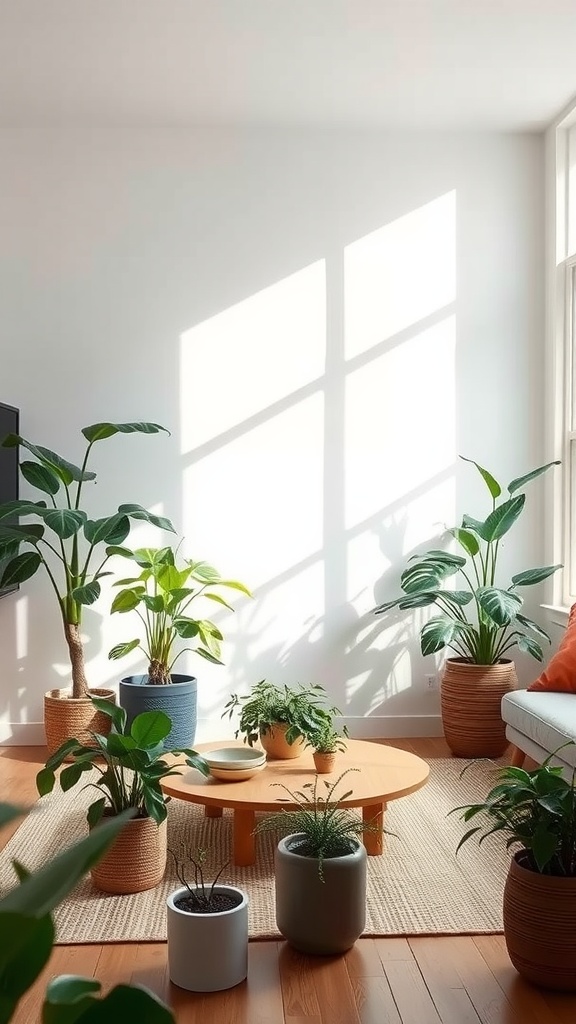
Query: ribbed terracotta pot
[
  {"x": 324, "y": 762},
  {"x": 540, "y": 926},
  {"x": 470, "y": 697},
  {"x": 67, "y": 717},
  {"x": 136, "y": 861},
  {"x": 275, "y": 745}
]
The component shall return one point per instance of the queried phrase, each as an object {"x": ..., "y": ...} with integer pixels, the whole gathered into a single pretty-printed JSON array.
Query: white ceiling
[{"x": 439, "y": 64}]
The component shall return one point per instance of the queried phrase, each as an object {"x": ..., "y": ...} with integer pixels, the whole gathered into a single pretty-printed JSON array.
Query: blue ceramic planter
[{"x": 177, "y": 699}]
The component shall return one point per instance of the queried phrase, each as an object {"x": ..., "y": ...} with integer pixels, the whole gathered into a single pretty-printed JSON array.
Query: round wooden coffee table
[{"x": 385, "y": 773}]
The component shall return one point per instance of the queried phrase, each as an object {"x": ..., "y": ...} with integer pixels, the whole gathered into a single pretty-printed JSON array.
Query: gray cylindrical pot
[
  {"x": 177, "y": 699},
  {"x": 315, "y": 916},
  {"x": 207, "y": 952}
]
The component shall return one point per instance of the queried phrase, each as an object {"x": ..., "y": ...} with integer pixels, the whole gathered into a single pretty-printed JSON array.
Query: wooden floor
[{"x": 452, "y": 980}]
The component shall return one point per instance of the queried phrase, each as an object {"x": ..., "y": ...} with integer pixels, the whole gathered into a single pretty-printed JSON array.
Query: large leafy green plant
[
  {"x": 27, "y": 937},
  {"x": 63, "y": 540},
  {"x": 535, "y": 810},
  {"x": 161, "y": 596},
  {"x": 303, "y": 709},
  {"x": 130, "y": 764},
  {"x": 483, "y": 622}
]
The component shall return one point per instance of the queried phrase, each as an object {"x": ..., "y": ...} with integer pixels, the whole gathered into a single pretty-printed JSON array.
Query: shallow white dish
[
  {"x": 234, "y": 757},
  {"x": 236, "y": 774}
]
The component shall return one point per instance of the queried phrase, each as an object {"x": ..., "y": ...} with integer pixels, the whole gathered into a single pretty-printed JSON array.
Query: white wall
[{"x": 324, "y": 320}]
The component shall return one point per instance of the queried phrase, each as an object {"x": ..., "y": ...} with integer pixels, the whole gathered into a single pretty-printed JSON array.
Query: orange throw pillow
[{"x": 560, "y": 674}]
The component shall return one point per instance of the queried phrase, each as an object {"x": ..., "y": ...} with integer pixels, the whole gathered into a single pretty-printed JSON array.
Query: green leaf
[
  {"x": 100, "y": 431},
  {"x": 118, "y": 745},
  {"x": 492, "y": 484},
  {"x": 113, "y": 711},
  {"x": 219, "y": 600},
  {"x": 150, "y": 727},
  {"x": 528, "y": 645},
  {"x": 95, "y": 812},
  {"x": 503, "y": 517},
  {"x": 466, "y": 539},
  {"x": 30, "y": 533},
  {"x": 528, "y": 624},
  {"x": 138, "y": 512},
  {"x": 515, "y": 485},
  {"x": 186, "y": 628},
  {"x": 64, "y": 470},
  {"x": 235, "y": 585},
  {"x": 126, "y": 600},
  {"x": 121, "y": 650},
  {"x": 25, "y": 946},
  {"x": 155, "y": 603},
  {"x": 12, "y": 509},
  {"x": 9, "y": 812},
  {"x": 41, "y": 477},
  {"x": 469, "y": 523},
  {"x": 110, "y": 530},
  {"x": 68, "y": 998},
  {"x": 70, "y": 775},
  {"x": 124, "y": 1002},
  {"x": 63, "y": 521},
  {"x": 438, "y": 633},
  {"x": 499, "y": 605},
  {"x": 48, "y": 886},
  {"x": 20, "y": 568},
  {"x": 87, "y": 594},
  {"x": 421, "y": 600},
  {"x": 170, "y": 578},
  {"x": 531, "y": 576},
  {"x": 204, "y": 572}
]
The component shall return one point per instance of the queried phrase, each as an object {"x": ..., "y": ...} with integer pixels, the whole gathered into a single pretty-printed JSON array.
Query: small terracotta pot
[
  {"x": 470, "y": 697},
  {"x": 324, "y": 762},
  {"x": 136, "y": 861},
  {"x": 540, "y": 926},
  {"x": 275, "y": 745},
  {"x": 67, "y": 717}
]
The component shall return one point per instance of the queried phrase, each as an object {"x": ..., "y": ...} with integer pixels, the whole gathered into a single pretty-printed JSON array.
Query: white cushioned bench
[{"x": 537, "y": 723}]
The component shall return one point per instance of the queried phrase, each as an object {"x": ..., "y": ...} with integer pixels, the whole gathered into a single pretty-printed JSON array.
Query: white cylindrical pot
[
  {"x": 207, "y": 952},
  {"x": 315, "y": 916}
]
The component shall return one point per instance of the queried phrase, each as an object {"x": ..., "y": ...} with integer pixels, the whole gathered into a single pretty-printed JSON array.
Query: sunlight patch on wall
[
  {"x": 21, "y": 628},
  {"x": 400, "y": 421},
  {"x": 400, "y": 274},
  {"x": 253, "y": 354},
  {"x": 254, "y": 507}
]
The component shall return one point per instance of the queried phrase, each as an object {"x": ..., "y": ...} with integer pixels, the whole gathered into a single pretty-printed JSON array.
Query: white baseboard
[
  {"x": 31, "y": 734},
  {"x": 22, "y": 734}
]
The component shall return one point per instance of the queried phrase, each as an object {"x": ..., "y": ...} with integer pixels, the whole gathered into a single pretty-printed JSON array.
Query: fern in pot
[
  {"x": 534, "y": 813},
  {"x": 160, "y": 598},
  {"x": 480, "y": 619},
  {"x": 320, "y": 868}
]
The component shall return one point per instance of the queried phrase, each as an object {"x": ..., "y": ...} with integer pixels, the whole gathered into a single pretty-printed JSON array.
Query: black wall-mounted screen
[{"x": 9, "y": 424}]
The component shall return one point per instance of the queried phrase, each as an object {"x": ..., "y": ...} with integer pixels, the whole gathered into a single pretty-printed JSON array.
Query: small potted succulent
[
  {"x": 327, "y": 742},
  {"x": 130, "y": 765},
  {"x": 27, "y": 936},
  {"x": 212, "y": 920},
  {"x": 480, "y": 621},
  {"x": 64, "y": 542},
  {"x": 161, "y": 595},
  {"x": 282, "y": 718},
  {"x": 535, "y": 813},
  {"x": 320, "y": 869}
]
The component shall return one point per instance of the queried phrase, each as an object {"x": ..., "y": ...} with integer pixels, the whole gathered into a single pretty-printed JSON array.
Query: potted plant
[
  {"x": 283, "y": 718},
  {"x": 64, "y": 542},
  {"x": 326, "y": 743},
  {"x": 27, "y": 937},
  {"x": 320, "y": 869},
  {"x": 535, "y": 811},
  {"x": 161, "y": 595},
  {"x": 130, "y": 766},
  {"x": 212, "y": 920},
  {"x": 481, "y": 622}
]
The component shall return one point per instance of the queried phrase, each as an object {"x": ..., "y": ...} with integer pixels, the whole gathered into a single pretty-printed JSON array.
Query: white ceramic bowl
[
  {"x": 236, "y": 774},
  {"x": 234, "y": 758}
]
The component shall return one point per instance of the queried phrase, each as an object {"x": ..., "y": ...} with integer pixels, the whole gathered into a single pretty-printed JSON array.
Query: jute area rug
[{"x": 417, "y": 887}]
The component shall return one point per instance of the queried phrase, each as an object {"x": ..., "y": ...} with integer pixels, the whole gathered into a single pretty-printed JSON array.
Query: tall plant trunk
[
  {"x": 158, "y": 673},
  {"x": 76, "y": 651}
]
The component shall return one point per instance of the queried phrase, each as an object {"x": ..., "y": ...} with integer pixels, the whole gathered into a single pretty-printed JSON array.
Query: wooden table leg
[
  {"x": 373, "y": 814},
  {"x": 244, "y": 848},
  {"x": 212, "y": 812}
]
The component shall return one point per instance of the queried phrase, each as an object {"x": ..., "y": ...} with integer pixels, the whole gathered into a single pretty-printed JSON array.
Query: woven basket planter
[
  {"x": 136, "y": 861},
  {"x": 66, "y": 717},
  {"x": 275, "y": 745},
  {"x": 540, "y": 926},
  {"x": 470, "y": 699}
]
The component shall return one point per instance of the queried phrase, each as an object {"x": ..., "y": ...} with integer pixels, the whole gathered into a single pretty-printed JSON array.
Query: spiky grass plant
[{"x": 324, "y": 828}]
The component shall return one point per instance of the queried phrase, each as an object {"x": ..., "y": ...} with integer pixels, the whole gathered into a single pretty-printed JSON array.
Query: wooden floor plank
[
  {"x": 524, "y": 997},
  {"x": 443, "y": 981},
  {"x": 362, "y": 961},
  {"x": 488, "y": 998},
  {"x": 333, "y": 991},
  {"x": 395, "y": 948},
  {"x": 297, "y": 983},
  {"x": 374, "y": 1000},
  {"x": 411, "y": 996}
]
